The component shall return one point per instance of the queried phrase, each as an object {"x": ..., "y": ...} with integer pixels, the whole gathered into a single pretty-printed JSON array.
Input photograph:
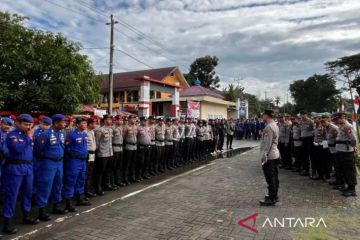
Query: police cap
[
  {"x": 7, "y": 121},
  {"x": 269, "y": 112},
  {"x": 59, "y": 117},
  {"x": 46, "y": 120},
  {"x": 25, "y": 118},
  {"x": 80, "y": 119}
]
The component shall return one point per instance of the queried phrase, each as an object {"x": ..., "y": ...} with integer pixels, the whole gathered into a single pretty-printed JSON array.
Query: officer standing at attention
[
  {"x": 118, "y": 140},
  {"x": 297, "y": 150},
  {"x": 104, "y": 151},
  {"x": 153, "y": 170},
  {"x": 307, "y": 138},
  {"x": 76, "y": 154},
  {"x": 18, "y": 172},
  {"x": 269, "y": 155},
  {"x": 5, "y": 128},
  {"x": 176, "y": 143},
  {"x": 345, "y": 150},
  {"x": 169, "y": 146},
  {"x": 130, "y": 141},
  {"x": 181, "y": 128},
  {"x": 200, "y": 131},
  {"x": 188, "y": 140},
  {"x": 144, "y": 143},
  {"x": 49, "y": 151},
  {"x": 318, "y": 160},
  {"x": 160, "y": 146},
  {"x": 91, "y": 142}
]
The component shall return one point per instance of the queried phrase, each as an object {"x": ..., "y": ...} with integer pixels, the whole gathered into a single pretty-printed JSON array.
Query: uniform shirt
[
  {"x": 118, "y": 138},
  {"x": 50, "y": 145},
  {"x": 307, "y": 128},
  {"x": 130, "y": 137},
  {"x": 103, "y": 137},
  {"x": 38, "y": 131},
  {"x": 91, "y": 143},
  {"x": 160, "y": 135},
  {"x": 331, "y": 132},
  {"x": 296, "y": 133},
  {"x": 193, "y": 130},
  {"x": 230, "y": 128},
  {"x": 188, "y": 131},
  {"x": 207, "y": 133},
  {"x": 152, "y": 133},
  {"x": 269, "y": 142},
  {"x": 169, "y": 135},
  {"x": 345, "y": 140},
  {"x": 144, "y": 136},
  {"x": 76, "y": 145},
  {"x": 176, "y": 134},
  {"x": 4, "y": 151},
  {"x": 181, "y": 129},
  {"x": 319, "y": 134},
  {"x": 200, "y": 131}
]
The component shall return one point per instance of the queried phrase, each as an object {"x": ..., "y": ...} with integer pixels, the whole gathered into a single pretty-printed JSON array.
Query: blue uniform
[
  {"x": 17, "y": 172},
  {"x": 49, "y": 152},
  {"x": 76, "y": 152},
  {"x": 37, "y": 134}
]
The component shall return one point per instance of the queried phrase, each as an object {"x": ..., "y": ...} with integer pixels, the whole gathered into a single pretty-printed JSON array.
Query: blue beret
[
  {"x": 46, "y": 120},
  {"x": 58, "y": 117},
  {"x": 25, "y": 118},
  {"x": 7, "y": 120}
]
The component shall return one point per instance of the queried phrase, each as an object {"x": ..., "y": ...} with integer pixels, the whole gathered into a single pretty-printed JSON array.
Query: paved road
[{"x": 207, "y": 202}]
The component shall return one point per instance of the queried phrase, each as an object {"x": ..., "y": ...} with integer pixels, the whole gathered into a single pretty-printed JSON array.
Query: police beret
[
  {"x": 8, "y": 121},
  {"x": 269, "y": 112},
  {"x": 80, "y": 119},
  {"x": 143, "y": 118},
  {"x": 92, "y": 119},
  {"x": 106, "y": 116},
  {"x": 58, "y": 117},
  {"x": 25, "y": 118},
  {"x": 46, "y": 120},
  {"x": 68, "y": 118},
  {"x": 303, "y": 112},
  {"x": 119, "y": 117}
]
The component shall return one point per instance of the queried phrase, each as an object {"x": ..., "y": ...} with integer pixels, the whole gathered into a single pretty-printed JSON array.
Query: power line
[{"x": 129, "y": 55}]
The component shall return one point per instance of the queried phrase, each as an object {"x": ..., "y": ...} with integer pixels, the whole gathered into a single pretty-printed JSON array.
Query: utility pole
[{"x": 111, "y": 75}]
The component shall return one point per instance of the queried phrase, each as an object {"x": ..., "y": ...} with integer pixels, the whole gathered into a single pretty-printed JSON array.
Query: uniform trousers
[
  {"x": 270, "y": 169},
  {"x": 347, "y": 167}
]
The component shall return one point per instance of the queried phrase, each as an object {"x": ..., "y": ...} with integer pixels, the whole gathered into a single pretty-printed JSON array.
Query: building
[{"x": 162, "y": 92}]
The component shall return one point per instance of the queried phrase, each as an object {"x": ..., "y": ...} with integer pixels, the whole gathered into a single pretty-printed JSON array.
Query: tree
[
  {"x": 316, "y": 94},
  {"x": 347, "y": 69},
  {"x": 204, "y": 69},
  {"x": 277, "y": 101},
  {"x": 232, "y": 92},
  {"x": 42, "y": 71}
]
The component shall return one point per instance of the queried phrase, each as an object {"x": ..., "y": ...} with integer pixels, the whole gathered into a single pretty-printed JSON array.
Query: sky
[{"x": 262, "y": 44}]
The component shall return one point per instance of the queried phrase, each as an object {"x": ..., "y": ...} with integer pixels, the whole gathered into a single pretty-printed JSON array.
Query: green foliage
[
  {"x": 204, "y": 69},
  {"x": 232, "y": 92},
  {"x": 42, "y": 71},
  {"x": 316, "y": 94}
]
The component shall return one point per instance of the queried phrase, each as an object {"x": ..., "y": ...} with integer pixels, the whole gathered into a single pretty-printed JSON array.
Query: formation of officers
[
  {"x": 321, "y": 148},
  {"x": 62, "y": 160}
]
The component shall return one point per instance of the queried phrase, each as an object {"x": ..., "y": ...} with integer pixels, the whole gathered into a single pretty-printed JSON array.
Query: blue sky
[{"x": 267, "y": 43}]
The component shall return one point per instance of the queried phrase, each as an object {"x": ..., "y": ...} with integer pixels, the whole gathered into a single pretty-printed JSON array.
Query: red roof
[
  {"x": 128, "y": 79},
  {"x": 196, "y": 91}
]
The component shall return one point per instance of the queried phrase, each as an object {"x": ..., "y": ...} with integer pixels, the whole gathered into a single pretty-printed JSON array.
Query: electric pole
[{"x": 111, "y": 75}]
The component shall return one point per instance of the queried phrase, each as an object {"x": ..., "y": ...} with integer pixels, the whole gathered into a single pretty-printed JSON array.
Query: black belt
[
  {"x": 143, "y": 145},
  {"x": 54, "y": 159},
  {"x": 159, "y": 140},
  {"x": 78, "y": 157},
  {"x": 343, "y": 142},
  {"x": 16, "y": 161},
  {"x": 331, "y": 145},
  {"x": 130, "y": 144},
  {"x": 91, "y": 152},
  {"x": 117, "y": 145}
]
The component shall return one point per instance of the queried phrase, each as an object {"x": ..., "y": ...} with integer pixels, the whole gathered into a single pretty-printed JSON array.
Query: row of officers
[
  {"x": 61, "y": 159},
  {"x": 324, "y": 147}
]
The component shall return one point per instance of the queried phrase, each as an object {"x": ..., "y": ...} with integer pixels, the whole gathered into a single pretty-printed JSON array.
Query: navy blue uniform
[
  {"x": 49, "y": 151},
  {"x": 76, "y": 152},
  {"x": 18, "y": 172},
  {"x": 37, "y": 134}
]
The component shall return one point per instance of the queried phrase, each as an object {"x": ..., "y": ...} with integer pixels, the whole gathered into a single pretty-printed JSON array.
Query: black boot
[
  {"x": 8, "y": 229},
  {"x": 58, "y": 210},
  {"x": 267, "y": 201},
  {"x": 108, "y": 185},
  {"x": 81, "y": 201},
  {"x": 28, "y": 220},
  {"x": 69, "y": 207},
  {"x": 43, "y": 216}
]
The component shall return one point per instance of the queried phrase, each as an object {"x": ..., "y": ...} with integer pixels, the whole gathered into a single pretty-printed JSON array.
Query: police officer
[
  {"x": 18, "y": 172},
  {"x": 188, "y": 140},
  {"x": 318, "y": 151},
  {"x": 169, "y": 145},
  {"x": 215, "y": 133},
  {"x": 6, "y": 125},
  {"x": 49, "y": 151},
  {"x": 160, "y": 145},
  {"x": 194, "y": 143},
  {"x": 181, "y": 128},
  {"x": 221, "y": 130},
  {"x": 76, "y": 154},
  {"x": 297, "y": 143},
  {"x": 200, "y": 131},
  {"x": 328, "y": 145},
  {"x": 284, "y": 140},
  {"x": 144, "y": 145},
  {"x": 307, "y": 138},
  {"x": 345, "y": 149},
  {"x": 176, "y": 143},
  {"x": 91, "y": 143},
  {"x": 130, "y": 142},
  {"x": 269, "y": 155},
  {"x": 153, "y": 167},
  {"x": 230, "y": 128},
  {"x": 118, "y": 140},
  {"x": 104, "y": 151}
]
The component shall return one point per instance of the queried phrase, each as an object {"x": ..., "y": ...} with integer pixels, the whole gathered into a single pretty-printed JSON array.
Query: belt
[
  {"x": 343, "y": 142},
  {"x": 78, "y": 157},
  {"x": 16, "y": 161},
  {"x": 331, "y": 145},
  {"x": 54, "y": 159},
  {"x": 144, "y": 146},
  {"x": 117, "y": 145},
  {"x": 134, "y": 144},
  {"x": 91, "y": 152},
  {"x": 157, "y": 140}
]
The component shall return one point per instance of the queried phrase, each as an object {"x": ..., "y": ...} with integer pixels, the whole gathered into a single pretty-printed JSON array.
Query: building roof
[
  {"x": 196, "y": 91},
  {"x": 128, "y": 79}
]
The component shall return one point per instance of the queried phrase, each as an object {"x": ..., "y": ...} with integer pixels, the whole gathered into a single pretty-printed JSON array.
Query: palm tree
[{"x": 277, "y": 101}]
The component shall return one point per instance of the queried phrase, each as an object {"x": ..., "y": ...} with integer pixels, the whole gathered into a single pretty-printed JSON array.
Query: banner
[
  {"x": 193, "y": 109},
  {"x": 243, "y": 108}
]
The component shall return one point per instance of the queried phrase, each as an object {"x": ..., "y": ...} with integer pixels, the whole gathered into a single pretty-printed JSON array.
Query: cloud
[{"x": 268, "y": 43}]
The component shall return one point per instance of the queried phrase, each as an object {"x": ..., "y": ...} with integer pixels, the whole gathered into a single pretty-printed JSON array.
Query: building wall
[{"x": 212, "y": 110}]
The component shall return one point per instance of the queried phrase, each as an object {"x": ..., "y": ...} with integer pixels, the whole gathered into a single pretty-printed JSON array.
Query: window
[
  {"x": 158, "y": 94},
  {"x": 152, "y": 94}
]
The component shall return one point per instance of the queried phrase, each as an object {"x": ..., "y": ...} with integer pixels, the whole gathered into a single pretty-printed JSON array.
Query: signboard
[
  {"x": 193, "y": 109},
  {"x": 243, "y": 109},
  {"x": 99, "y": 112}
]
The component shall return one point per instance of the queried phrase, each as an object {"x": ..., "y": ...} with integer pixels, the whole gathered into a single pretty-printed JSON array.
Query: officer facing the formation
[
  {"x": 49, "y": 151},
  {"x": 18, "y": 172},
  {"x": 76, "y": 154},
  {"x": 269, "y": 155},
  {"x": 345, "y": 149}
]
